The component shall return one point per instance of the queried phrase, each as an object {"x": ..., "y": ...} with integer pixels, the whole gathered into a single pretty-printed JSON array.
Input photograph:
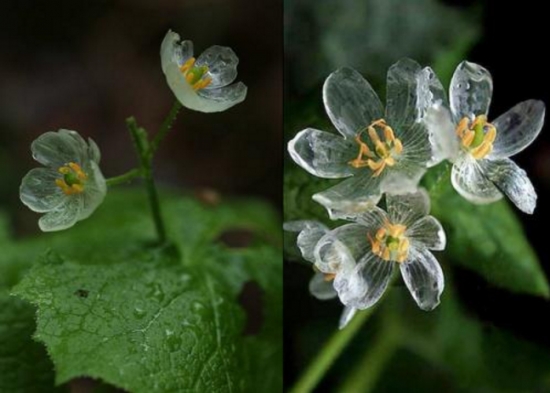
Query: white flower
[
  {"x": 321, "y": 285},
  {"x": 71, "y": 186},
  {"x": 479, "y": 149},
  {"x": 378, "y": 241},
  {"x": 378, "y": 150},
  {"x": 202, "y": 84}
]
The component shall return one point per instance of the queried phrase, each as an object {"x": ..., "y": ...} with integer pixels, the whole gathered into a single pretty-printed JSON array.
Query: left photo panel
[{"x": 140, "y": 197}]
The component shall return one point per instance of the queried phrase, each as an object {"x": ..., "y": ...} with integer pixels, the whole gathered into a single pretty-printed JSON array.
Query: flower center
[
  {"x": 390, "y": 242},
  {"x": 382, "y": 151},
  {"x": 73, "y": 179},
  {"x": 477, "y": 136},
  {"x": 195, "y": 75}
]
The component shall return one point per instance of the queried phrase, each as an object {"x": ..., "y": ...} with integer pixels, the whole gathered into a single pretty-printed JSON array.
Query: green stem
[
  {"x": 330, "y": 352},
  {"x": 124, "y": 178},
  {"x": 165, "y": 127}
]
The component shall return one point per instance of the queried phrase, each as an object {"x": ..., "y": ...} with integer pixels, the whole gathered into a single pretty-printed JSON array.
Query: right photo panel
[{"x": 416, "y": 182}]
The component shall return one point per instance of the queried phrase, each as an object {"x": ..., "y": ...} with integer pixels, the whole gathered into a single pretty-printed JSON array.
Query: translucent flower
[
  {"x": 202, "y": 84},
  {"x": 71, "y": 185},
  {"x": 322, "y": 284},
  {"x": 378, "y": 150},
  {"x": 479, "y": 149},
  {"x": 377, "y": 242}
]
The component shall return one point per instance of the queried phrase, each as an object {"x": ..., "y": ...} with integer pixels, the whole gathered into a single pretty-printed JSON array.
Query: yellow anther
[
  {"x": 388, "y": 133},
  {"x": 189, "y": 63},
  {"x": 202, "y": 83},
  {"x": 390, "y": 242},
  {"x": 373, "y": 135},
  {"x": 468, "y": 138},
  {"x": 329, "y": 276},
  {"x": 482, "y": 150},
  {"x": 491, "y": 134},
  {"x": 73, "y": 179},
  {"x": 477, "y": 136},
  {"x": 462, "y": 127},
  {"x": 194, "y": 75},
  {"x": 397, "y": 146}
]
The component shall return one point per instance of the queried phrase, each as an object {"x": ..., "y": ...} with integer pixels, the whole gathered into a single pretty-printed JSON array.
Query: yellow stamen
[
  {"x": 195, "y": 76},
  {"x": 390, "y": 242},
  {"x": 329, "y": 277},
  {"x": 73, "y": 179},
  {"x": 468, "y": 138},
  {"x": 187, "y": 65},
  {"x": 477, "y": 136}
]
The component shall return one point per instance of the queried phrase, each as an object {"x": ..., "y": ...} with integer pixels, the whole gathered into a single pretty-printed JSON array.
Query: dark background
[
  {"x": 87, "y": 65},
  {"x": 513, "y": 47}
]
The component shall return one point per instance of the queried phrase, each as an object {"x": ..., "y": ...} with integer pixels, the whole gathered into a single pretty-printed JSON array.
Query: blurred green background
[{"x": 483, "y": 337}]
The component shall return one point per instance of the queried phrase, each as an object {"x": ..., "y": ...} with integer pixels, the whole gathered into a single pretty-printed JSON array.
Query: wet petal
[
  {"x": 376, "y": 274},
  {"x": 39, "y": 192},
  {"x": 517, "y": 128},
  {"x": 337, "y": 251},
  {"x": 417, "y": 150},
  {"x": 172, "y": 52},
  {"x": 351, "y": 196},
  {"x": 350, "y": 101},
  {"x": 471, "y": 91},
  {"x": 427, "y": 233},
  {"x": 470, "y": 182},
  {"x": 406, "y": 209},
  {"x": 424, "y": 278},
  {"x": 222, "y": 65},
  {"x": 62, "y": 217},
  {"x": 402, "y": 107},
  {"x": 347, "y": 316},
  {"x": 309, "y": 234},
  {"x": 512, "y": 181},
  {"x": 220, "y": 99},
  {"x": 372, "y": 220},
  {"x": 350, "y": 286},
  {"x": 94, "y": 191},
  {"x": 56, "y": 149},
  {"x": 321, "y": 288},
  {"x": 323, "y": 154},
  {"x": 403, "y": 178}
]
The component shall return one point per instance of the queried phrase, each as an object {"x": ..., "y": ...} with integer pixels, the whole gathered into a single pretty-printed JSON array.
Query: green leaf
[
  {"x": 487, "y": 239},
  {"x": 145, "y": 319}
]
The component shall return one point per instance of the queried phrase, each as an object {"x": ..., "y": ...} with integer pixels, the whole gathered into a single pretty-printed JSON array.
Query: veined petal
[
  {"x": 406, "y": 209},
  {"x": 371, "y": 220},
  {"x": 403, "y": 178},
  {"x": 424, "y": 278},
  {"x": 172, "y": 52},
  {"x": 222, "y": 98},
  {"x": 376, "y": 274},
  {"x": 56, "y": 149},
  {"x": 402, "y": 107},
  {"x": 470, "y": 182},
  {"x": 309, "y": 234},
  {"x": 222, "y": 65},
  {"x": 471, "y": 91},
  {"x": 427, "y": 233},
  {"x": 512, "y": 181},
  {"x": 517, "y": 128},
  {"x": 94, "y": 191},
  {"x": 321, "y": 288},
  {"x": 39, "y": 192},
  {"x": 350, "y": 102},
  {"x": 62, "y": 217},
  {"x": 337, "y": 251},
  {"x": 351, "y": 196},
  {"x": 350, "y": 286},
  {"x": 416, "y": 144},
  {"x": 323, "y": 154},
  {"x": 347, "y": 316}
]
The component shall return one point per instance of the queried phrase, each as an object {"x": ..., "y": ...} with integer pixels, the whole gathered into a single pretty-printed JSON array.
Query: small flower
[
  {"x": 378, "y": 241},
  {"x": 379, "y": 151},
  {"x": 202, "y": 84},
  {"x": 71, "y": 186},
  {"x": 479, "y": 149},
  {"x": 322, "y": 284}
]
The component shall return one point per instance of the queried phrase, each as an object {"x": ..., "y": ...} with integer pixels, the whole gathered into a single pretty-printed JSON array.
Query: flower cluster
[{"x": 386, "y": 151}]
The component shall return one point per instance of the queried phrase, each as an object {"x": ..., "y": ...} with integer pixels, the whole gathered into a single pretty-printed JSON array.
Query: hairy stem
[
  {"x": 165, "y": 127},
  {"x": 124, "y": 178}
]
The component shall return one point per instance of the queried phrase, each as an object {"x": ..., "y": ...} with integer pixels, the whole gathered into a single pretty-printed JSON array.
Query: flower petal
[
  {"x": 350, "y": 101},
  {"x": 372, "y": 220},
  {"x": 427, "y": 233},
  {"x": 424, "y": 278},
  {"x": 222, "y": 65},
  {"x": 512, "y": 181},
  {"x": 471, "y": 91},
  {"x": 93, "y": 151},
  {"x": 417, "y": 150},
  {"x": 338, "y": 250},
  {"x": 517, "y": 128},
  {"x": 172, "y": 52},
  {"x": 63, "y": 216},
  {"x": 94, "y": 191},
  {"x": 321, "y": 288},
  {"x": 376, "y": 274},
  {"x": 56, "y": 149},
  {"x": 351, "y": 196},
  {"x": 220, "y": 99},
  {"x": 309, "y": 234},
  {"x": 401, "y": 97},
  {"x": 347, "y": 316},
  {"x": 470, "y": 182},
  {"x": 39, "y": 192},
  {"x": 406, "y": 209},
  {"x": 323, "y": 154},
  {"x": 403, "y": 178}
]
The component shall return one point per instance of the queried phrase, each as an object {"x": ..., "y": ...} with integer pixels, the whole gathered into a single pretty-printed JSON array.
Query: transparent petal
[
  {"x": 337, "y": 251},
  {"x": 470, "y": 182},
  {"x": 323, "y": 154},
  {"x": 221, "y": 99},
  {"x": 471, "y": 91},
  {"x": 94, "y": 193},
  {"x": 403, "y": 178},
  {"x": 39, "y": 192},
  {"x": 347, "y": 316},
  {"x": 372, "y": 220},
  {"x": 321, "y": 288},
  {"x": 309, "y": 234},
  {"x": 376, "y": 274},
  {"x": 424, "y": 278},
  {"x": 517, "y": 128},
  {"x": 350, "y": 286},
  {"x": 172, "y": 52},
  {"x": 351, "y": 196},
  {"x": 93, "y": 151},
  {"x": 512, "y": 181},
  {"x": 416, "y": 145},
  {"x": 402, "y": 106},
  {"x": 56, "y": 149},
  {"x": 350, "y": 101},
  {"x": 222, "y": 65},
  {"x": 406, "y": 209},
  {"x": 427, "y": 233},
  {"x": 63, "y": 216}
]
